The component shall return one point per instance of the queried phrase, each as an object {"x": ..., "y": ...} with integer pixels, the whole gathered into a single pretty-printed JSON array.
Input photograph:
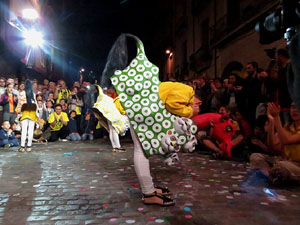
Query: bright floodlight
[
  {"x": 33, "y": 38},
  {"x": 30, "y": 14}
]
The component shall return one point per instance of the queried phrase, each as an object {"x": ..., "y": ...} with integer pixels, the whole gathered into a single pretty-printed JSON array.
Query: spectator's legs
[
  {"x": 54, "y": 136},
  {"x": 84, "y": 136},
  {"x": 259, "y": 161},
  {"x": 14, "y": 143},
  {"x": 113, "y": 136},
  {"x": 6, "y": 116},
  {"x": 63, "y": 132},
  {"x": 91, "y": 137}
]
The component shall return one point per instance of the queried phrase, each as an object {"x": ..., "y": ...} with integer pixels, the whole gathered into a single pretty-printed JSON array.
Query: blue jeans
[
  {"x": 12, "y": 142},
  {"x": 75, "y": 137},
  {"x": 87, "y": 137}
]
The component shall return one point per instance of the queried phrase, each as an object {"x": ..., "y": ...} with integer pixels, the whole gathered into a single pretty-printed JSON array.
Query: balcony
[{"x": 240, "y": 22}]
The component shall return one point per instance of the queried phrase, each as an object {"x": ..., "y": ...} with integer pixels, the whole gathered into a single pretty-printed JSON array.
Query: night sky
[{"x": 88, "y": 28}]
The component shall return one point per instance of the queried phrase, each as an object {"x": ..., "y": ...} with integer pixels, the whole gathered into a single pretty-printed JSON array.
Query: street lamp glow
[
  {"x": 30, "y": 14},
  {"x": 168, "y": 51},
  {"x": 82, "y": 70},
  {"x": 33, "y": 38}
]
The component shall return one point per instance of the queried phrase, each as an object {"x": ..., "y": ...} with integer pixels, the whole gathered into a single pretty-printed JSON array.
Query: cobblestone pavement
[{"x": 85, "y": 183}]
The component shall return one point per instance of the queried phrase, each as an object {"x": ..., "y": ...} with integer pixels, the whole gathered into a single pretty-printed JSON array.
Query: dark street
[{"x": 85, "y": 183}]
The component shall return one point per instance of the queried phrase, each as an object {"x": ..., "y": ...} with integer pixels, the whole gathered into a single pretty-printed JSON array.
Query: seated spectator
[
  {"x": 49, "y": 108},
  {"x": 74, "y": 135},
  {"x": 87, "y": 128},
  {"x": 58, "y": 121},
  {"x": 243, "y": 123},
  {"x": 7, "y": 137},
  {"x": 286, "y": 143},
  {"x": 16, "y": 132},
  {"x": 63, "y": 104}
]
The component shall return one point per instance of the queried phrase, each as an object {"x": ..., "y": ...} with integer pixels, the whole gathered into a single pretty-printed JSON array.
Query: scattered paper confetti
[
  {"x": 36, "y": 185},
  {"x": 105, "y": 205},
  {"x": 24, "y": 182},
  {"x": 130, "y": 221},
  {"x": 82, "y": 188},
  {"x": 113, "y": 219},
  {"x": 264, "y": 203},
  {"x": 188, "y": 186},
  {"x": 68, "y": 153},
  {"x": 229, "y": 197},
  {"x": 187, "y": 209},
  {"x": 188, "y": 216},
  {"x": 140, "y": 209},
  {"x": 159, "y": 221},
  {"x": 151, "y": 219},
  {"x": 294, "y": 196},
  {"x": 181, "y": 194},
  {"x": 17, "y": 194}
]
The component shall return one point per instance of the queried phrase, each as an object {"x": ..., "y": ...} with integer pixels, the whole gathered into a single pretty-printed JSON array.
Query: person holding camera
[{"x": 61, "y": 91}]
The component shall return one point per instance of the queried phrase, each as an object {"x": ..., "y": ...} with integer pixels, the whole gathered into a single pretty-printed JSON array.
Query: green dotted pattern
[{"x": 137, "y": 87}]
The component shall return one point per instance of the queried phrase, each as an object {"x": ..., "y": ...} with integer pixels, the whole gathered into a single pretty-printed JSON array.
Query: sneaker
[
  {"x": 28, "y": 149},
  {"x": 7, "y": 146}
]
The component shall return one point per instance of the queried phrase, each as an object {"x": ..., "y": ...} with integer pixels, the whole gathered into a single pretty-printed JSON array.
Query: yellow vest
[{"x": 292, "y": 151}]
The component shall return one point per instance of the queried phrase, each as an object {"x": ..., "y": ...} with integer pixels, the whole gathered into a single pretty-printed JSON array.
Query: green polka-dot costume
[{"x": 159, "y": 131}]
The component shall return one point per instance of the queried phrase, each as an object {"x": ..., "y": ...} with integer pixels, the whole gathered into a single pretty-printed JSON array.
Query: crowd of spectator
[
  {"x": 60, "y": 110},
  {"x": 266, "y": 122}
]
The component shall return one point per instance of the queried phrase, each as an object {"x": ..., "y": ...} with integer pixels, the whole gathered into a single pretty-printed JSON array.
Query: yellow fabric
[
  {"x": 98, "y": 126},
  {"x": 29, "y": 114},
  {"x": 177, "y": 98},
  {"x": 58, "y": 124},
  {"x": 292, "y": 151},
  {"x": 119, "y": 105},
  {"x": 63, "y": 94}
]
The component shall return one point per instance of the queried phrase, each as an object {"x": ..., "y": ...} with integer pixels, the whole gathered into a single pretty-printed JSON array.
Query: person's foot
[
  {"x": 21, "y": 149},
  {"x": 7, "y": 146},
  {"x": 163, "y": 191},
  {"x": 156, "y": 199},
  {"x": 28, "y": 149}
]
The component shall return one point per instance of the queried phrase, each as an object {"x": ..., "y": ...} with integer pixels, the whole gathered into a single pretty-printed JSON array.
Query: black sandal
[
  {"x": 166, "y": 200},
  {"x": 164, "y": 190}
]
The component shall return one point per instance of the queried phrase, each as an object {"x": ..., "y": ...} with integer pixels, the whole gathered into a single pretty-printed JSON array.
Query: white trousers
[
  {"x": 27, "y": 131},
  {"x": 141, "y": 165},
  {"x": 113, "y": 136}
]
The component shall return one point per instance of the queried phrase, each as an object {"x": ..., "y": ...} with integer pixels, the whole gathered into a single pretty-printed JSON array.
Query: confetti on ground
[
  {"x": 113, "y": 219},
  {"x": 130, "y": 221},
  {"x": 237, "y": 177},
  {"x": 82, "y": 188},
  {"x": 36, "y": 185},
  {"x": 229, "y": 197},
  {"x": 24, "y": 182},
  {"x": 159, "y": 221},
  {"x": 264, "y": 203},
  {"x": 17, "y": 194},
  {"x": 206, "y": 185},
  {"x": 181, "y": 194},
  {"x": 188, "y": 216},
  {"x": 105, "y": 205},
  {"x": 151, "y": 219},
  {"x": 236, "y": 193},
  {"x": 188, "y": 186},
  {"x": 211, "y": 180},
  {"x": 140, "y": 209},
  {"x": 68, "y": 153},
  {"x": 294, "y": 196},
  {"x": 187, "y": 209}
]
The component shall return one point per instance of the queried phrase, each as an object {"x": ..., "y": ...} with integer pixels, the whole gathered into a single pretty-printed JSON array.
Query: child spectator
[
  {"x": 87, "y": 127},
  {"x": 74, "y": 135},
  {"x": 7, "y": 137},
  {"x": 244, "y": 124},
  {"x": 49, "y": 108},
  {"x": 64, "y": 108},
  {"x": 15, "y": 131}
]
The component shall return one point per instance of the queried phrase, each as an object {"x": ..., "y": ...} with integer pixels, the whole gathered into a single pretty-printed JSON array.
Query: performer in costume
[
  {"x": 148, "y": 104},
  {"x": 28, "y": 118},
  {"x": 109, "y": 117}
]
